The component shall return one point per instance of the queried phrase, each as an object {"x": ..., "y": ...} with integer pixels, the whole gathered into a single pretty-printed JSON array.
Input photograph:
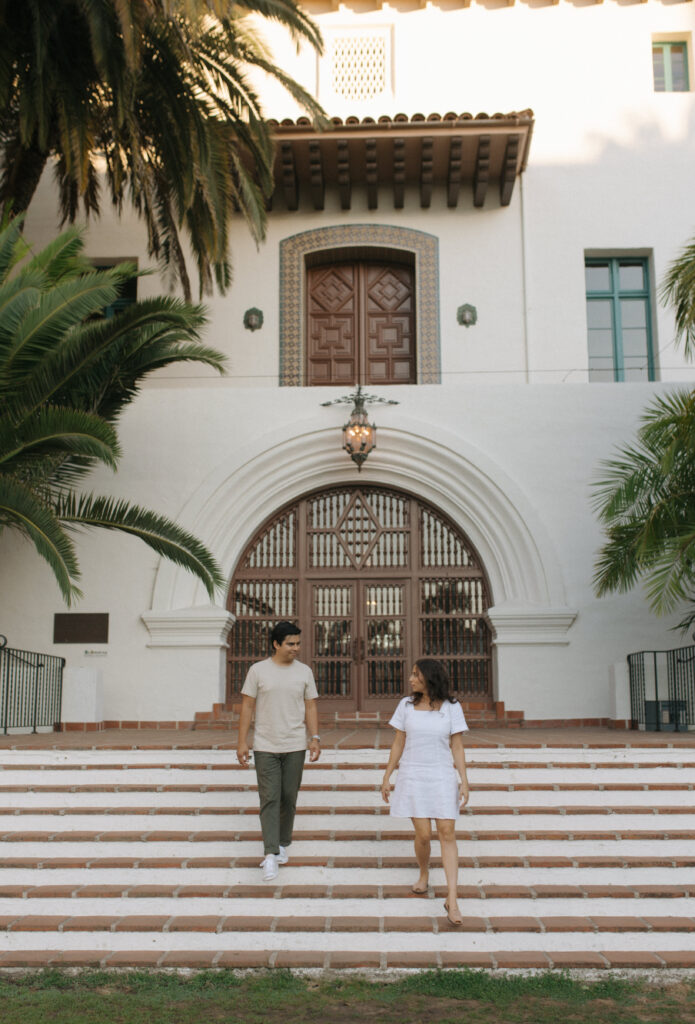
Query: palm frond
[
  {"x": 20, "y": 509},
  {"x": 92, "y": 356},
  {"x": 57, "y": 311},
  {"x": 163, "y": 89},
  {"x": 678, "y": 290},
  {"x": 646, "y": 502},
  {"x": 64, "y": 378},
  {"x": 11, "y": 247},
  {"x": 161, "y": 534},
  {"x": 53, "y": 430}
]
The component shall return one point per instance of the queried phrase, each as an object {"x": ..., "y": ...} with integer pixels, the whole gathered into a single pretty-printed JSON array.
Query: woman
[{"x": 428, "y": 745}]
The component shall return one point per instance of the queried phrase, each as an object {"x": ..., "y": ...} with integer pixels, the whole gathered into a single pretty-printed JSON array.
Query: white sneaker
[
  {"x": 270, "y": 867},
  {"x": 283, "y": 856}
]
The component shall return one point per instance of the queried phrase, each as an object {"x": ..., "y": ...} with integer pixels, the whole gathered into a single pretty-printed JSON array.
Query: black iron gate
[
  {"x": 31, "y": 688},
  {"x": 662, "y": 689}
]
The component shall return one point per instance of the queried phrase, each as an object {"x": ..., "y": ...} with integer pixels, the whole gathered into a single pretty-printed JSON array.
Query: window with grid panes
[
  {"x": 618, "y": 313},
  {"x": 670, "y": 64},
  {"x": 127, "y": 292}
]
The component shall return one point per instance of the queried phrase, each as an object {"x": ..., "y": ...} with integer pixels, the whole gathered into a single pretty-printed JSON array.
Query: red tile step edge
[
  {"x": 338, "y": 960},
  {"x": 318, "y": 891},
  {"x": 163, "y": 923}
]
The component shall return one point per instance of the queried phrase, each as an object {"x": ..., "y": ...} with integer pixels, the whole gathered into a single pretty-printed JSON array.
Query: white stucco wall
[
  {"x": 539, "y": 445},
  {"x": 610, "y": 170}
]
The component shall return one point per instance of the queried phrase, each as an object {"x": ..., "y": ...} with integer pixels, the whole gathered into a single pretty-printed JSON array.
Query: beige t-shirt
[{"x": 280, "y": 692}]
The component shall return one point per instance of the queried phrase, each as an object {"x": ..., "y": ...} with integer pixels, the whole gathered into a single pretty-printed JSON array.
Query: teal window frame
[
  {"x": 667, "y": 48},
  {"x": 615, "y": 294},
  {"x": 128, "y": 291}
]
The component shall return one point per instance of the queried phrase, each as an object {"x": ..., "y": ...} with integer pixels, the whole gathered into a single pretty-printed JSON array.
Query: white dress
[{"x": 427, "y": 783}]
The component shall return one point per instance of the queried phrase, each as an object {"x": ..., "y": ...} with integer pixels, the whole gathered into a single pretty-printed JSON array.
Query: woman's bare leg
[
  {"x": 423, "y": 842},
  {"x": 450, "y": 859}
]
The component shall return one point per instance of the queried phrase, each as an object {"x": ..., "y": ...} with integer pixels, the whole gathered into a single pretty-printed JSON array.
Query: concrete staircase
[{"x": 569, "y": 858}]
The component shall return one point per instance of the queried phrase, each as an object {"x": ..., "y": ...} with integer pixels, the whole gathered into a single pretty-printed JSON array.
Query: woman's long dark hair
[{"x": 436, "y": 680}]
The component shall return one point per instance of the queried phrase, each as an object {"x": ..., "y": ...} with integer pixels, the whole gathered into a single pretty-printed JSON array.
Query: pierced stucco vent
[{"x": 359, "y": 66}]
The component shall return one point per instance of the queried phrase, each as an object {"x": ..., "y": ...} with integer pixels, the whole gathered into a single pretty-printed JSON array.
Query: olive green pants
[{"x": 279, "y": 777}]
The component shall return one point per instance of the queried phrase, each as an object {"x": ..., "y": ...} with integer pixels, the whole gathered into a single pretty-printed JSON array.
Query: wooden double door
[
  {"x": 361, "y": 324},
  {"x": 359, "y": 640},
  {"x": 375, "y": 578}
]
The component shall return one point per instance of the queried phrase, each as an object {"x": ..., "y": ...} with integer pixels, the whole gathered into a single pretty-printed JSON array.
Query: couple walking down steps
[{"x": 280, "y": 694}]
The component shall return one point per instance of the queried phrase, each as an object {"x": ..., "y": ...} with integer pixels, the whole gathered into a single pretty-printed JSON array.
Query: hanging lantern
[{"x": 359, "y": 435}]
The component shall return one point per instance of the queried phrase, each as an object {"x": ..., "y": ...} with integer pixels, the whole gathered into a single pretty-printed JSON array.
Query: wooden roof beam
[
  {"x": 344, "y": 179},
  {"x": 453, "y": 185},
  {"x": 398, "y": 173},
  {"x": 481, "y": 176},
  {"x": 508, "y": 175},
  {"x": 317, "y": 181},
  {"x": 426, "y": 172},
  {"x": 372, "y": 174},
  {"x": 289, "y": 177}
]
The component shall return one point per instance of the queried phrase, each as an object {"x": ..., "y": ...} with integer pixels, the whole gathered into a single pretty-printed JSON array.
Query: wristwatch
[{"x": 316, "y": 737}]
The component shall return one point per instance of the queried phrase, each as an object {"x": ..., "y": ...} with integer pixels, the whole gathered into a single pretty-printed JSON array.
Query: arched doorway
[{"x": 375, "y": 578}]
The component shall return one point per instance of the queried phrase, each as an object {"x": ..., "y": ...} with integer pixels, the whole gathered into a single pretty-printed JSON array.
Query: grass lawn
[{"x": 279, "y": 997}]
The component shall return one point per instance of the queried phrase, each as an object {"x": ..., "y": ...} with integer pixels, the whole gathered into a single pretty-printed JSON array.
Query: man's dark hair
[{"x": 282, "y": 630}]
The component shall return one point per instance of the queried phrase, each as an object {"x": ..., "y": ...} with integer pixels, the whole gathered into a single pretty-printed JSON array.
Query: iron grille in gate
[
  {"x": 662, "y": 689},
  {"x": 375, "y": 578},
  {"x": 31, "y": 688}
]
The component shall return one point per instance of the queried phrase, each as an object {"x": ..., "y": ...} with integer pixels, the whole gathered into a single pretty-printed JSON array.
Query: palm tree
[
  {"x": 646, "y": 500},
  {"x": 156, "y": 96},
  {"x": 66, "y": 373}
]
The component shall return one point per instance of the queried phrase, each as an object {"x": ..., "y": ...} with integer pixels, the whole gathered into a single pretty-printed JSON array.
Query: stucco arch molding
[{"x": 516, "y": 550}]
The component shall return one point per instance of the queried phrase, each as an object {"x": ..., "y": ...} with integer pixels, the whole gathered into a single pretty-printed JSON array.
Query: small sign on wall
[{"x": 81, "y": 628}]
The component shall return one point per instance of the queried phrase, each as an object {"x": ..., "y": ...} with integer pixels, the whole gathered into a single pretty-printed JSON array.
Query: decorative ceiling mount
[{"x": 359, "y": 435}]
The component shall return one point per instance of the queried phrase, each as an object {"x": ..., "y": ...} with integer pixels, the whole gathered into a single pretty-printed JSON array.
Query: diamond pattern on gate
[{"x": 358, "y": 530}]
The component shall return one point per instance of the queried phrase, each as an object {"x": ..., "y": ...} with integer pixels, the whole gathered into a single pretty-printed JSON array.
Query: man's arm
[
  {"x": 248, "y": 705},
  {"x": 312, "y": 724}
]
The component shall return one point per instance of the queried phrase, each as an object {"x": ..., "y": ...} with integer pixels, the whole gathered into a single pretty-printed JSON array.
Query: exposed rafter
[
  {"x": 426, "y": 172},
  {"x": 316, "y": 178},
  {"x": 453, "y": 185},
  {"x": 344, "y": 179},
  {"x": 398, "y": 173},
  {"x": 418, "y": 156},
  {"x": 289, "y": 177},
  {"x": 372, "y": 173},
  {"x": 481, "y": 177},
  {"x": 508, "y": 176}
]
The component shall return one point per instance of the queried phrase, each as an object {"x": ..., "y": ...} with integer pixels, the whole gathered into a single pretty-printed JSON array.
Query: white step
[
  {"x": 370, "y": 798},
  {"x": 449, "y": 940}
]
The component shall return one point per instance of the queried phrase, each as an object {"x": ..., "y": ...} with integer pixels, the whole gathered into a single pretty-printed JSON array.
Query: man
[{"x": 283, "y": 694}]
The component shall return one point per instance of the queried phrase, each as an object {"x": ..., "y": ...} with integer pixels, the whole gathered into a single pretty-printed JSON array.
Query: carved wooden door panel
[
  {"x": 360, "y": 324},
  {"x": 389, "y": 329},
  {"x": 385, "y": 653},
  {"x": 333, "y": 639},
  {"x": 358, "y": 642}
]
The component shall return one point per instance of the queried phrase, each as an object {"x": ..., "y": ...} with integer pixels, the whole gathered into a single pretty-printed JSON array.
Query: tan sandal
[{"x": 456, "y": 924}]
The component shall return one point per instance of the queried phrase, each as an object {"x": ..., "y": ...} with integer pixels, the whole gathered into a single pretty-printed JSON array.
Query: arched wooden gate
[{"x": 375, "y": 578}]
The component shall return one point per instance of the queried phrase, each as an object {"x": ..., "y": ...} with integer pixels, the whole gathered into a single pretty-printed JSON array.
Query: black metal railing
[
  {"x": 31, "y": 688},
  {"x": 662, "y": 689}
]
